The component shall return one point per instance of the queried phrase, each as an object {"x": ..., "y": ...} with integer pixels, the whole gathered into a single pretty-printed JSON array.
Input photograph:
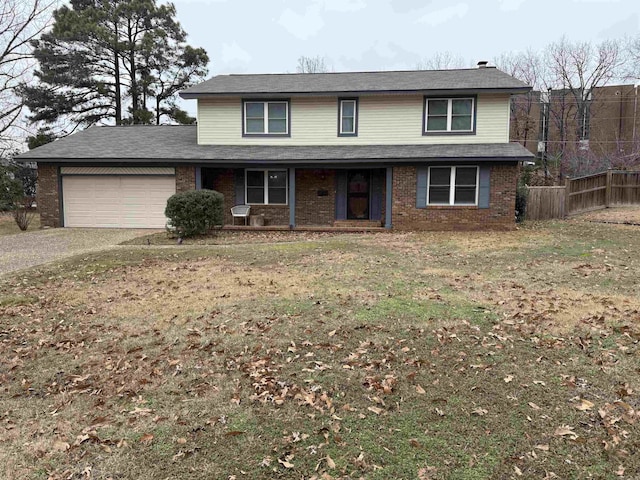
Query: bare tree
[
  {"x": 525, "y": 66},
  {"x": 317, "y": 64},
  {"x": 443, "y": 61},
  {"x": 20, "y": 22},
  {"x": 632, "y": 58},
  {"x": 581, "y": 67}
]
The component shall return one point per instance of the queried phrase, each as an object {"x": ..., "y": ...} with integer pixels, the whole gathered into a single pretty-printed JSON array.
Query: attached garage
[{"x": 114, "y": 197}]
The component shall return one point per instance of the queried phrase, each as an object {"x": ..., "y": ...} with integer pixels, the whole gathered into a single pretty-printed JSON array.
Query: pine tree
[{"x": 105, "y": 60}]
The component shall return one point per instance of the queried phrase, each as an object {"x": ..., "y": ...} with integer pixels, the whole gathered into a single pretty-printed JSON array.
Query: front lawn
[
  {"x": 8, "y": 225},
  {"x": 403, "y": 356}
]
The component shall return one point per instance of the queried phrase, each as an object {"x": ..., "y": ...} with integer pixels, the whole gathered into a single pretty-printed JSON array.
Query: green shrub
[{"x": 194, "y": 212}]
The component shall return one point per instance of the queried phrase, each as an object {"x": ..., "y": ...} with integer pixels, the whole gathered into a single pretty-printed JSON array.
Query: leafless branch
[
  {"x": 20, "y": 22},
  {"x": 315, "y": 64}
]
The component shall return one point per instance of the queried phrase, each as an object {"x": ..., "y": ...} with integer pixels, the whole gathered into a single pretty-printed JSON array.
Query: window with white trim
[
  {"x": 348, "y": 117},
  {"x": 453, "y": 186},
  {"x": 266, "y": 187},
  {"x": 449, "y": 115},
  {"x": 266, "y": 118}
]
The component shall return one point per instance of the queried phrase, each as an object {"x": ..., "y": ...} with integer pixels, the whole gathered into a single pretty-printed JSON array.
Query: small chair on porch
[{"x": 241, "y": 211}]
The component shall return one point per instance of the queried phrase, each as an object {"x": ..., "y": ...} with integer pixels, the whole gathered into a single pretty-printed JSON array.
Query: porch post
[
  {"x": 389, "y": 199},
  {"x": 292, "y": 197}
]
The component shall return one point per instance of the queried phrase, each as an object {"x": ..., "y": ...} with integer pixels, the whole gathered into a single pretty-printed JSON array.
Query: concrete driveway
[{"x": 24, "y": 250}]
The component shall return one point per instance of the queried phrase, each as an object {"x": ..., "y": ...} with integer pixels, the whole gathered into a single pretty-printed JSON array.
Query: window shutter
[
  {"x": 421, "y": 190},
  {"x": 238, "y": 181},
  {"x": 341, "y": 195},
  {"x": 377, "y": 188},
  {"x": 485, "y": 187}
]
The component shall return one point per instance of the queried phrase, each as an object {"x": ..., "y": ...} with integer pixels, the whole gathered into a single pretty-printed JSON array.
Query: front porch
[
  {"x": 304, "y": 199},
  {"x": 355, "y": 228}
]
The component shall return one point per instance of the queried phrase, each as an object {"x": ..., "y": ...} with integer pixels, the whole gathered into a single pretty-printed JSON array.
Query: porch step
[{"x": 357, "y": 223}]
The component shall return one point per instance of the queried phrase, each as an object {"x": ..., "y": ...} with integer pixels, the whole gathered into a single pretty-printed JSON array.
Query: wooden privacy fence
[
  {"x": 545, "y": 203},
  {"x": 582, "y": 194}
]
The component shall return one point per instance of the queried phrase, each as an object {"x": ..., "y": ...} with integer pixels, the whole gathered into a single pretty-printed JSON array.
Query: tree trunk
[
  {"x": 118, "y": 92},
  {"x": 132, "y": 69}
]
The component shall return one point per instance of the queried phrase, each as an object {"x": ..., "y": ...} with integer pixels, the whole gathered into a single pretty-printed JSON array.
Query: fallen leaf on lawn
[
  {"x": 534, "y": 406},
  {"x": 517, "y": 470},
  {"x": 440, "y": 412},
  {"x": 81, "y": 439},
  {"x": 375, "y": 410},
  {"x": 420, "y": 390},
  {"x": 285, "y": 464},
  {"x": 59, "y": 446},
  {"x": 479, "y": 411},
  {"x": 330, "y": 463},
  {"x": 181, "y": 441},
  {"x": 584, "y": 405},
  {"x": 544, "y": 448},
  {"x": 332, "y": 333},
  {"x": 177, "y": 456},
  {"x": 565, "y": 431},
  {"x": 427, "y": 473},
  {"x": 146, "y": 438},
  {"x": 620, "y": 471},
  {"x": 508, "y": 379}
]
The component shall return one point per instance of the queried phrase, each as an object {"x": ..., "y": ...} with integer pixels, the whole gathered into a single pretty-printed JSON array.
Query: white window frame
[
  {"x": 355, "y": 116},
  {"x": 449, "y": 114},
  {"x": 265, "y": 177},
  {"x": 265, "y": 106},
  {"x": 452, "y": 186}
]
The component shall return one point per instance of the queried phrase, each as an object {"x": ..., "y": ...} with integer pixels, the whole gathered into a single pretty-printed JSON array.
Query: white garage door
[{"x": 118, "y": 201}]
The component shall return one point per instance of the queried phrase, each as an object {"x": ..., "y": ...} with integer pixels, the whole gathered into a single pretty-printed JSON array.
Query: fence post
[
  {"x": 607, "y": 197},
  {"x": 567, "y": 190}
]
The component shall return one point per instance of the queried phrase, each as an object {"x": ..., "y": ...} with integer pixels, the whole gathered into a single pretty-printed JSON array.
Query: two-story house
[{"x": 409, "y": 150}]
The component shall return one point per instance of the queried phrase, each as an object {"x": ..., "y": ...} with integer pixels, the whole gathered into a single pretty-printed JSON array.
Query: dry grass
[
  {"x": 159, "y": 291},
  {"x": 400, "y": 356},
  {"x": 628, "y": 215},
  {"x": 8, "y": 225}
]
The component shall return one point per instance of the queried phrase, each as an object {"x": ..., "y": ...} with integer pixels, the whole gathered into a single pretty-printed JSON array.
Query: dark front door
[{"x": 358, "y": 194}]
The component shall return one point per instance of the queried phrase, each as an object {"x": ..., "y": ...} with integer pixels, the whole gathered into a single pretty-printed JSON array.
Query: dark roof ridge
[{"x": 414, "y": 70}]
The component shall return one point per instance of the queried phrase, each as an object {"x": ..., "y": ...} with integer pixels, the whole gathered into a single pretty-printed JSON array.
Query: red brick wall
[
  {"x": 223, "y": 183},
  {"x": 47, "y": 195},
  {"x": 499, "y": 216},
  {"x": 185, "y": 179},
  {"x": 312, "y": 209}
]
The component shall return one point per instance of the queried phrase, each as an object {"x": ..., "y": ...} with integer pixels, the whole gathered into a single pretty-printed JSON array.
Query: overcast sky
[{"x": 268, "y": 36}]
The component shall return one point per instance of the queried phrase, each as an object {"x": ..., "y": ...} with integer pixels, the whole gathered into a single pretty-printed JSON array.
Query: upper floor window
[
  {"x": 449, "y": 115},
  {"x": 452, "y": 186},
  {"x": 348, "y": 117},
  {"x": 266, "y": 118}
]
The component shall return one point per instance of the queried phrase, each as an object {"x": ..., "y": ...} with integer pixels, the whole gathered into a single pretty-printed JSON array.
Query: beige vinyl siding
[{"x": 382, "y": 119}]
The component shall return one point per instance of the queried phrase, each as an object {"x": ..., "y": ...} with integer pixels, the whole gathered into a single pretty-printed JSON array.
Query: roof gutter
[{"x": 289, "y": 161}]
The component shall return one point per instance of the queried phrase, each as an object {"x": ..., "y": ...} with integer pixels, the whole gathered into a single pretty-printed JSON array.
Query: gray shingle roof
[
  {"x": 178, "y": 144},
  {"x": 475, "y": 79}
]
